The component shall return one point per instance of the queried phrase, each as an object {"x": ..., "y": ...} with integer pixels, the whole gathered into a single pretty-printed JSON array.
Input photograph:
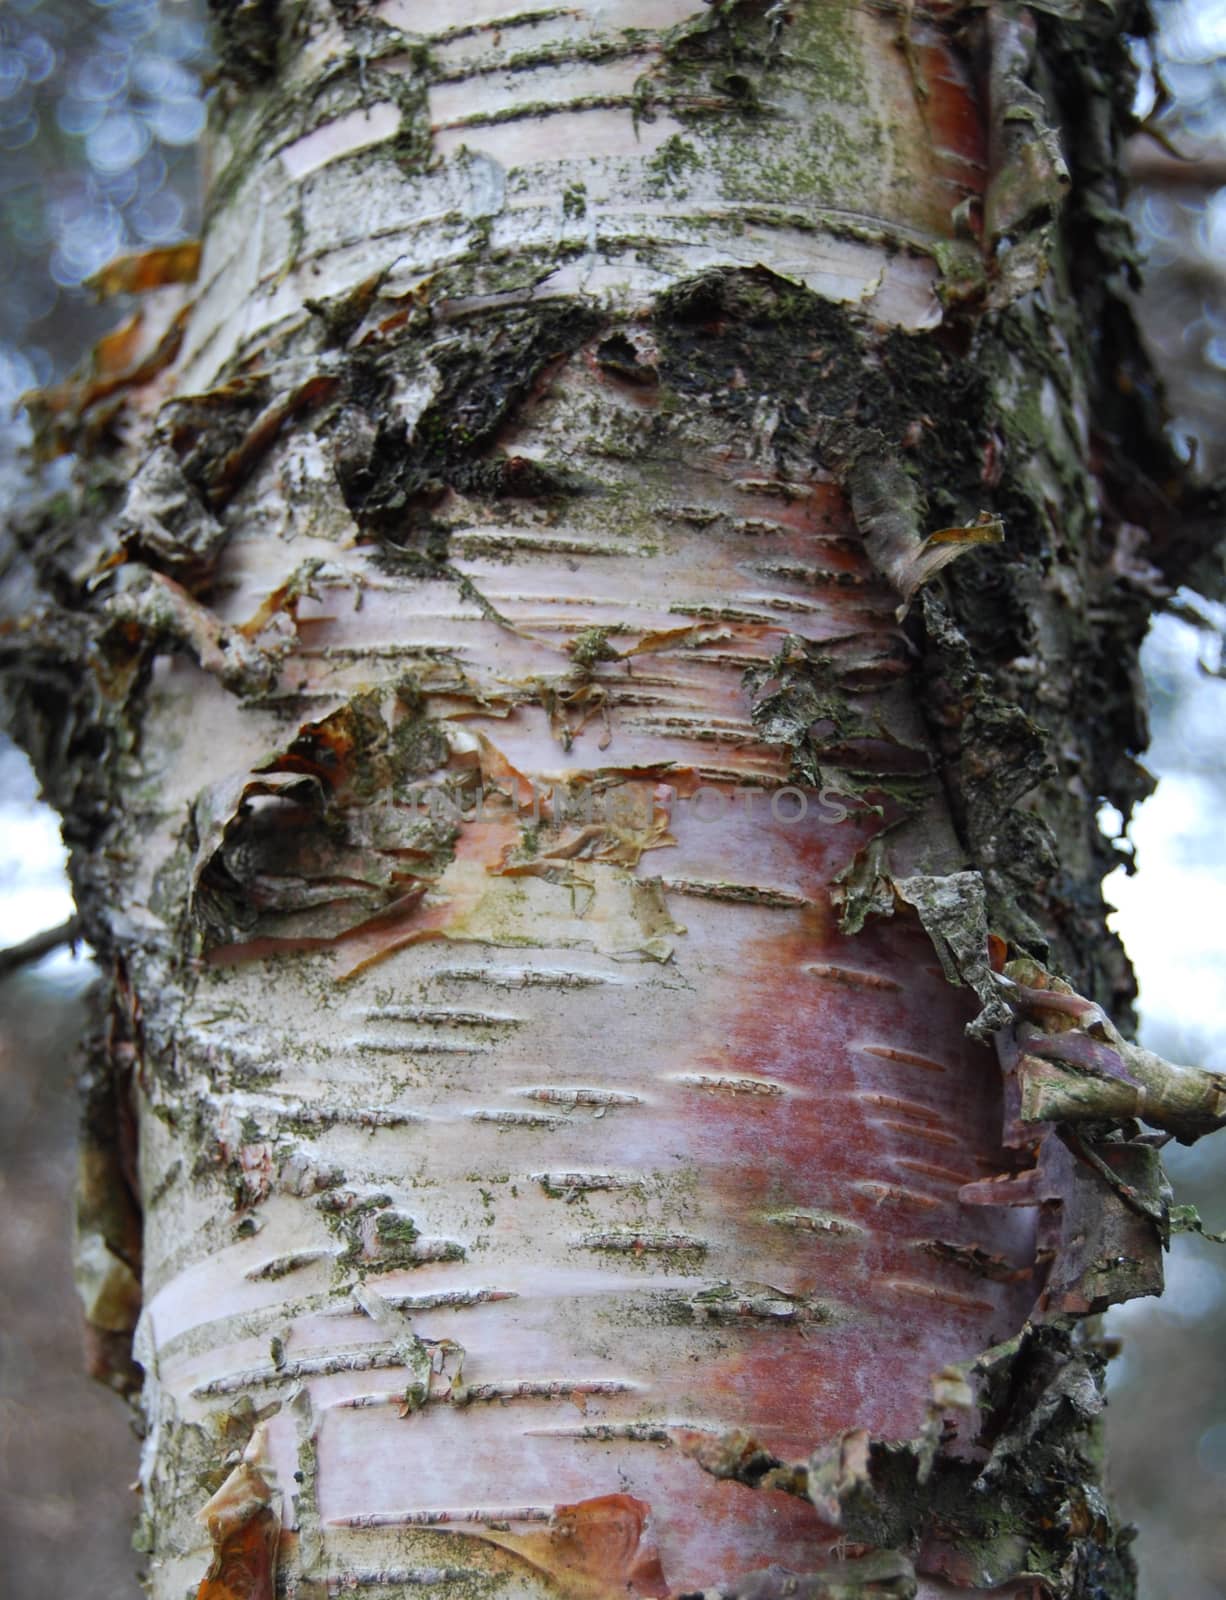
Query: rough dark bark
[{"x": 805, "y": 447}]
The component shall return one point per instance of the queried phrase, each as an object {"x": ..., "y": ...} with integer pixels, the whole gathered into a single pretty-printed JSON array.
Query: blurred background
[
  {"x": 101, "y": 110},
  {"x": 101, "y": 106}
]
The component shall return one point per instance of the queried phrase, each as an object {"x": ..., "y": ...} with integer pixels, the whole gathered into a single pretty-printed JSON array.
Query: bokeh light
[{"x": 101, "y": 106}]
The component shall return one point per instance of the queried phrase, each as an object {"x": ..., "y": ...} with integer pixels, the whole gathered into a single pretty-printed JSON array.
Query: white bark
[{"x": 609, "y": 1139}]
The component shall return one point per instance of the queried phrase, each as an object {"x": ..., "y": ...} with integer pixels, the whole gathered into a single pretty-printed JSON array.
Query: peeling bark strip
[
  {"x": 554, "y": 805},
  {"x": 244, "y": 1526}
]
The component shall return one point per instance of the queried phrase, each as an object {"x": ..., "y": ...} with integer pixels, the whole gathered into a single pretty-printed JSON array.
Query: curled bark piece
[
  {"x": 888, "y": 509},
  {"x": 149, "y": 269},
  {"x": 953, "y": 910},
  {"x": 1077, "y": 1066},
  {"x": 863, "y": 888},
  {"x": 1184, "y": 1101},
  {"x": 126, "y": 359},
  {"x": 1029, "y": 175},
  {"x": 1104, "y": 1206},
  {"x": 164, "y": 521},
  {"x": 413, "y": 1353},
  {"x": 296, "y": 851},
  {"x": 1057, "y": 1001},
  {"x": 1100, "y": 1228},
  {"x": 1079, "y": 1051},
  {"x": 839, "y": 1473},
  {"x": 229, "y": 472},
  {"x": 594, "y": 1550},
  {"x": 244, "y": 1525}
]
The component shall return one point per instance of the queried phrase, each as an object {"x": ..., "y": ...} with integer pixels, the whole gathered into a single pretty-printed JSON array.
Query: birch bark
[{"x": 546, "y": 815}]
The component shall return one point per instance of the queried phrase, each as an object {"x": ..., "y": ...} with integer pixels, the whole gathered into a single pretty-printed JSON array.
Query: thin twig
[
  {"x": 1158, "y": 169},
  {"x": 42, "y": 944}
]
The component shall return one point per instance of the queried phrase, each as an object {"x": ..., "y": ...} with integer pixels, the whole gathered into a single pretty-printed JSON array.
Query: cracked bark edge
[
  {"x": 1030, "y": 1409},
  {"x": 1105, "y": 1217}
]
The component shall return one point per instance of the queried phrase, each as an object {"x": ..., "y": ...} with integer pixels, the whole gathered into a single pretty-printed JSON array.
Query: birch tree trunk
[{"x": 574, "y": 878}]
